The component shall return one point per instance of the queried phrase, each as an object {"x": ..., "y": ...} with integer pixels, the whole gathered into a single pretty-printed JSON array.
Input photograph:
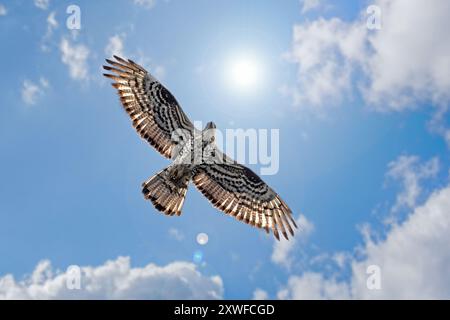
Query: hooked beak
[{"x": 210, "y": 125}]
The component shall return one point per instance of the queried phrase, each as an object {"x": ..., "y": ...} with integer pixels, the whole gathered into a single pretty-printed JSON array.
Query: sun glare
[{"x": 244, "y": 73}]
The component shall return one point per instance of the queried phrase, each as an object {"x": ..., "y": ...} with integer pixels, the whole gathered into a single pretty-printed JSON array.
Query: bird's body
[{"x": 230, "y": 186}]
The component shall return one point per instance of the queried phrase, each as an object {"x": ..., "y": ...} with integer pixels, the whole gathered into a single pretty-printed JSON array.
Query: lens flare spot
[
  {"x": 202, "y": 238},
  {"x": 198, "y": 256}
]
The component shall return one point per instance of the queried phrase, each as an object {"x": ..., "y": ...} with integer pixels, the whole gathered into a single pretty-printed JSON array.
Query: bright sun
[{"x": 244, "y": 73}]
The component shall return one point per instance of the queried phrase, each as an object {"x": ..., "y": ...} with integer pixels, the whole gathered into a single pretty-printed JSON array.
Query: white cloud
[
  {"x": 341, "y": 258},
  {"x": 413, "y": 258},
  {"x": 159, "y": 72},
  {"x": 176, "y": 234},
  {"x": 408, "y": 64},
  {"x": 115, "y": 46},
  {"x": 42, "y": 4},
  {"x": 313, "y": 285},
  {"x": 411, "y": 172},
  {"x": 52, "y": 24},
  {"x": 260, "y": 294},
  {"x": 51, "y": 21},
  {"x": 31, "y": 91},
  {"x": 325, "y": 52},
  {"x": 75, "y": 57},
  {"x": 148, "y": 4},
  {"x": 282, "y": 250},
  {"x": 309, "y": 5},
  {"x": 401, "y": 64},
  {"x": 115, "y": 279},
  {"x": 3, "y": 10}
]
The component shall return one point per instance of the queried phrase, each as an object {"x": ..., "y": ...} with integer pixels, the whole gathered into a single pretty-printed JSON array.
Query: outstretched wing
[
  {"x": 152, "y": 108},
  {"x": 238, "y": 191}
]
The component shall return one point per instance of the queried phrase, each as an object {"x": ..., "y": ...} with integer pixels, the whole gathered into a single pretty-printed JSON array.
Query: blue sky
[{"x": 72, "y": 165}]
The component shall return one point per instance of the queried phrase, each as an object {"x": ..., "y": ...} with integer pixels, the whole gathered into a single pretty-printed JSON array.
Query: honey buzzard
[{"x": 229, "y": 186}]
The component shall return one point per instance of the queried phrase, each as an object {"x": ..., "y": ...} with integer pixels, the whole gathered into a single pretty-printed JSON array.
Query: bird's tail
[{"x": 166, "y": 191}]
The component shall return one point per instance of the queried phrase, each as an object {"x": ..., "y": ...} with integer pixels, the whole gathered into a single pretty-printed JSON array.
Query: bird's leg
[{"x": 179, "y": 174}]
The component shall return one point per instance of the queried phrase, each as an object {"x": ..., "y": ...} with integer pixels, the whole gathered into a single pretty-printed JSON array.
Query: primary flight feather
[{"x": 228, "y": 185}]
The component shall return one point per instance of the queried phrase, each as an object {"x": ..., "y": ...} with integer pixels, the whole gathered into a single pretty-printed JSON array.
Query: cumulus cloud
[
  {"x": 408, "y": 64},
  {"x": 148, "y": 4},
  {"x": 413, "y": 259},
  {"x": 325, "y": 52},
  {"x": 75, "y": 57},
  {"x": 51, "y": 22},
  {"x": 410, "y": 172},
  {"x": 159, "y": 72},
  {"x": 42, "y": 4},
  {"x": 313, "y": 285},
  {"x": 52, "y": 25},
  {"x": 3, "y": 10},
  {"x": 282, "y": 250},
  {"x": 310, "y": 5},
  {"x": 32, "y": 91},
  {"x": 115, "y": 46},
  {"x": 260, "y": 294},
  {"x": 115, "y": 279},
  {"x": 401, "y": 65},
  {"x": 176, "y": 234}
]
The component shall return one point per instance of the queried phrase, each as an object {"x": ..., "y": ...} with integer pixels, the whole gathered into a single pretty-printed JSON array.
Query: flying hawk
[{"x": 229, "y": 186}]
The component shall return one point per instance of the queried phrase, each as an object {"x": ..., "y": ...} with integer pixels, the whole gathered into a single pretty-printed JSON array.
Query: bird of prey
[{"x": 231, "y": 187}]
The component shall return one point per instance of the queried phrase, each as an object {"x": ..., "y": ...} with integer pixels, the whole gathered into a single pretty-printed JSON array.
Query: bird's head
[
  {"x": 209, "y": 132},
  {"x": 210, "y": 125}
]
